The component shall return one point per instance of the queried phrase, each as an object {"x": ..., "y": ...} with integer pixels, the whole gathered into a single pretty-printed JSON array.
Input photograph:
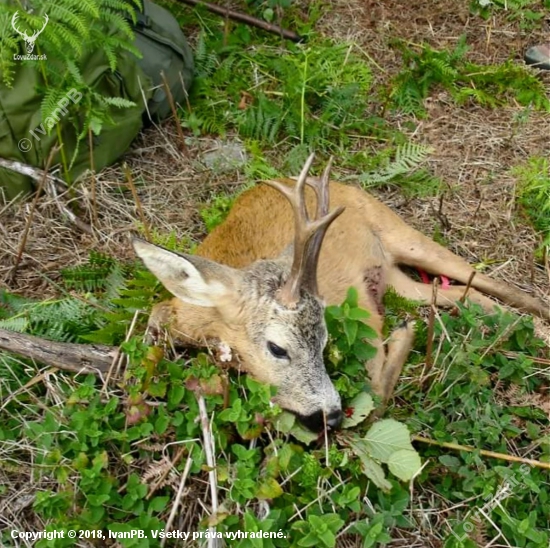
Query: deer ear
[{"x": 194, "y": 280}]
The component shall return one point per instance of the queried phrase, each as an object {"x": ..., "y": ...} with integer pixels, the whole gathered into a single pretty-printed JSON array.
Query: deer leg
[
  {"x": 399, "y": 347},
  {"x": 412, "y": 248},
  {"x": 423, "y": 293},
  {"x": 384, "y": 369}
]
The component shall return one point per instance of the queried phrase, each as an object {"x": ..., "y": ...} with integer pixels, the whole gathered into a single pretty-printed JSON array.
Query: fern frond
[
  {"x": 119, "y": 102},
  {"x": 117, "y": 22},
  {"x": 70, "y": 16},
  {"x": 408, "y": 157},
  {"x": 17, "y": 324},
  {"x": 49, "y": 108}
]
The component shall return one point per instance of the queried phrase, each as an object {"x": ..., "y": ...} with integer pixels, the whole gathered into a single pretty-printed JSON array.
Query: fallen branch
[
  {"x": 179, "y": 496},
  {"x": 51, "y": 186},
  {"x": 77, "y": 358},
  {"x": 210, "y": 455},
  {"x": 245, "y": 18},
  {"x": 483, "y": 452},
  {"x": 28, "y": 223}
]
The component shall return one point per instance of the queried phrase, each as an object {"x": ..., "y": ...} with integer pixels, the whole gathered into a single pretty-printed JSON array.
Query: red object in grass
[
  {"x": 445, "y": 283},
  {"x": 349, "y": 412}
]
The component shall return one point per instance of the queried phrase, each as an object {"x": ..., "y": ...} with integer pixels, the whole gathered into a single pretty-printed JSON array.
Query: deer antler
[{"x": 309, "y": 233}]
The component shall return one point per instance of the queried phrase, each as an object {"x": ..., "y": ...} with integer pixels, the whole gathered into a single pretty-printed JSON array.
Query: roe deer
[{"x": 260, "y": 281}]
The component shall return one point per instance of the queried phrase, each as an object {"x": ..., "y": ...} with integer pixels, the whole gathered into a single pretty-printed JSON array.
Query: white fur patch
[{"x": 225, "y": 352}]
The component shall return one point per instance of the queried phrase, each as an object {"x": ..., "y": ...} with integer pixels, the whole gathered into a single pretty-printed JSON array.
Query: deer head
[
  {"x": 29, "y": 40},
  {"x": 270, "y": 313}
]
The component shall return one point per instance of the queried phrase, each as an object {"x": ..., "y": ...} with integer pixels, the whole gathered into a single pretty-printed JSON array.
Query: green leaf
[
  {"x": 352, "y": 297},
  {"x": 362, "y": 406},
  {"x": 386, "y": 437},
  {"x": 157, "y": 389},
  {"x": 350, "y": 328},
  {"x": 269, "y": 489},
  {"x": 404, "y": 464},
  {"x": 158, "y": 504},
  {"x": 161, "y": 424},
  {"x": 364, "y": 351},
  {"x": 374, "y": 472},
  {"x": 310, "y": 539},
  {"x": 370, "y": 468},
  {"x": 284, "y": 422},
  {"x": 358, "y": 314},
  {"x": 302, "y": 434}
]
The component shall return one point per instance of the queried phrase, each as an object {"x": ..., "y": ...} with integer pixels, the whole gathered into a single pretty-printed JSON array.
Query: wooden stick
[
  {"x": 137, "y": 202},
  {"x": 483, "y": 452},
  {"x": 23, "y": 242},
  {"x": 248, "y": 19},
  {"x": 179, "y": 129},
  {"x": 430, "y": 336},
  {"x": 51, "y": 187},
  {"x": 77, "y": 358}
]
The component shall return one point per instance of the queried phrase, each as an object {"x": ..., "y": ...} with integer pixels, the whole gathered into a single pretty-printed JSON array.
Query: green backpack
[{"x": 23, "y": 136}]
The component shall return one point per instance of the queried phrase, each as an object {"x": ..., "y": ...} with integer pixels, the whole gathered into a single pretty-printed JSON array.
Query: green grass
[
  {"x": 533, "y": 196},
  {"x": 426, "y": 69}
]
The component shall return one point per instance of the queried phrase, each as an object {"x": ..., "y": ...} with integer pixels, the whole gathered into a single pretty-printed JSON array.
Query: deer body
[{"x": 363, "y": 247}]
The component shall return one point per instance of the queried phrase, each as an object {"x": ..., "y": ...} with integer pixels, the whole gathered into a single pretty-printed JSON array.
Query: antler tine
[
  {"x": 295, "y": 195},
  {"x": 321, "y": 188},
  {"x": 308, "y": 235}
]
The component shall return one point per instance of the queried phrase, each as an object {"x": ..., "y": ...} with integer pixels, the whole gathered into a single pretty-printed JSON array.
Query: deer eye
[{"x": 277, "y": 351}]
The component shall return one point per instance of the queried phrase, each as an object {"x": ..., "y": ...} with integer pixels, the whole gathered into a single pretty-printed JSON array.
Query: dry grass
[{"x": 171, "y": 187}]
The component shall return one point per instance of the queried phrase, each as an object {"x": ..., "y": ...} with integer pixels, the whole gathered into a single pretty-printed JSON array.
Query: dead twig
[
  {"x": 51, "y": 185},
  {"x": 93, "y": 181},
  {"x": 483, "y": 452},
  {"x": 467, "y": 288},
  {"x": 179, "y": 129},
  {"x": 162, "y": 477},
  {"x": 137, "y": 202},
  {"x": 23, "y": 242},
  {"x": 211, "y": 463},
  {"x": 179, "y": 495},
  {"x": 248, "y": 19},
  {"x": 430, "y": 335}
]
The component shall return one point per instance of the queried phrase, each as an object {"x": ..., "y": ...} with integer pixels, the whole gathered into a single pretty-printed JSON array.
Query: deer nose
[
  {"x": 316, "y": 421},
  {"x": 334, "y": 419}
]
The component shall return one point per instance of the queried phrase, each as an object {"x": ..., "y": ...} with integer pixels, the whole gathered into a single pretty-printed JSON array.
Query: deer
[
  {"x": 260, "y": 281},
  {"x": 29, "y": 40}
]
